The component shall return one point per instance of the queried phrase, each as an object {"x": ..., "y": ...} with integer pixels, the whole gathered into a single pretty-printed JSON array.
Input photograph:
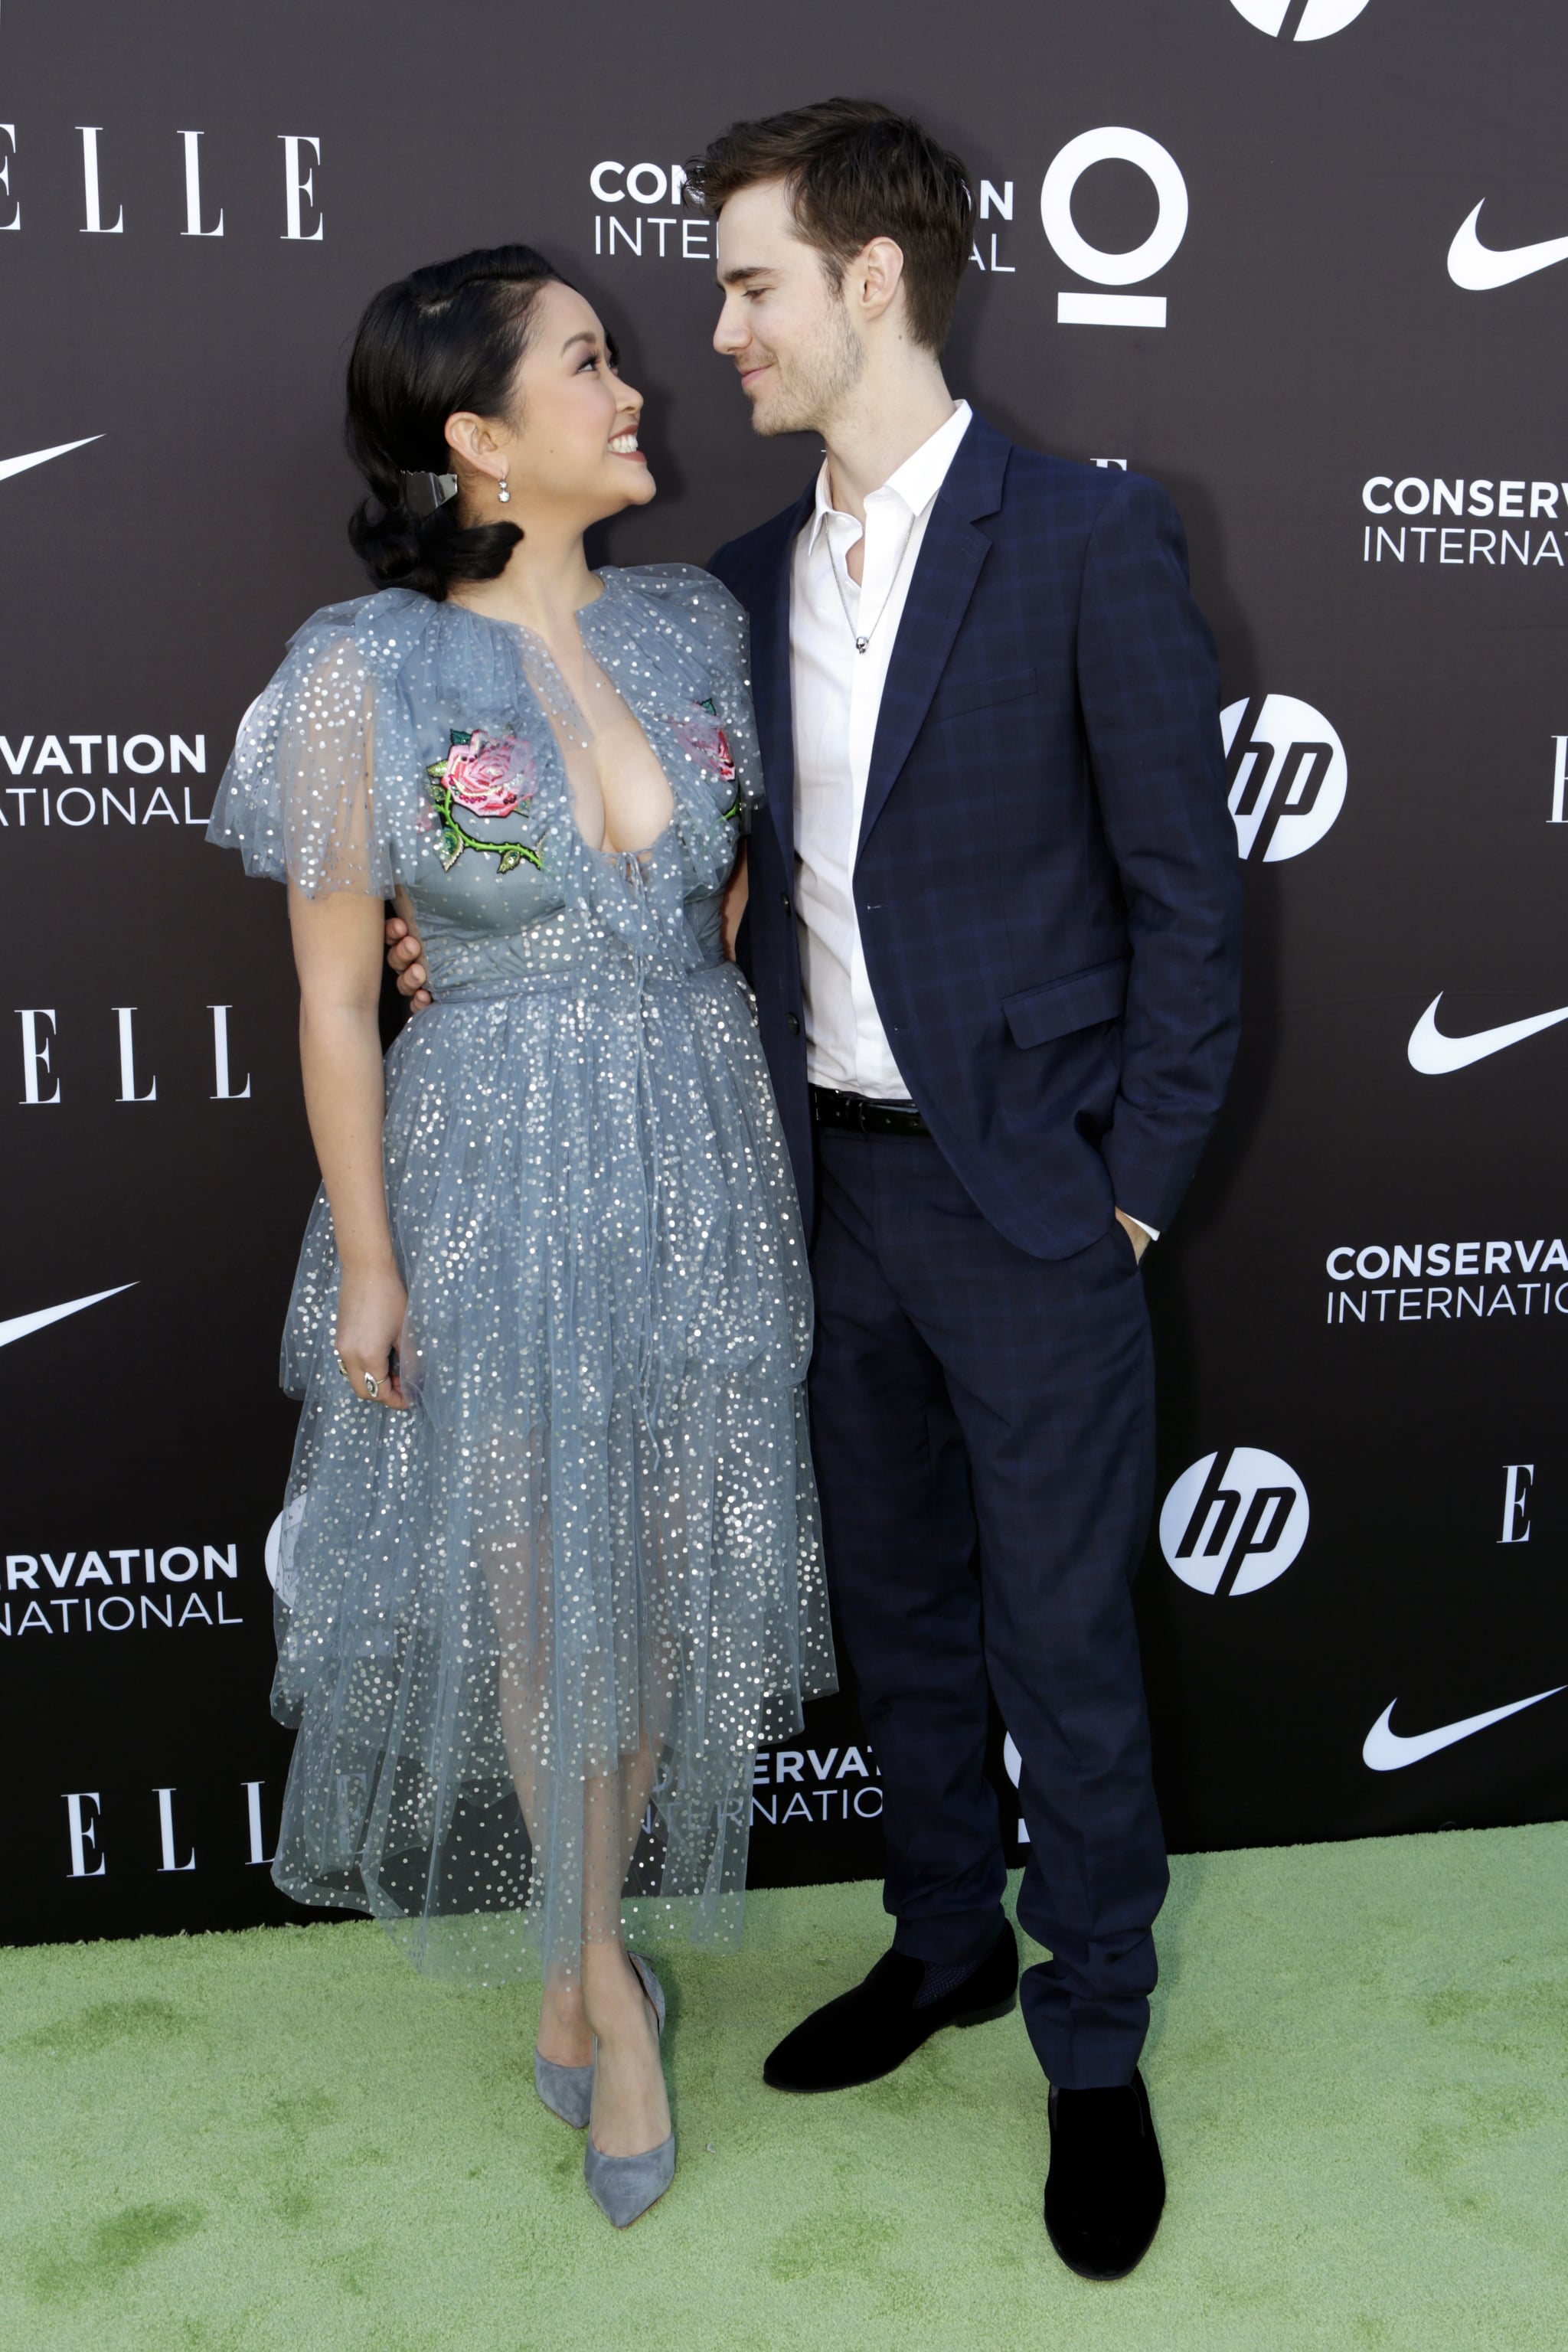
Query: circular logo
[
  {"x": 1286, "y": 774},
  {"x": 1055, "y": 205},
  {"x": 1314, "y": 22},
  {"x": 1234, "y": 1521}
]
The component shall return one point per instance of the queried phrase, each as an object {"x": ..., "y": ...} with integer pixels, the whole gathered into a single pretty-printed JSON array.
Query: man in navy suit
[
  {"x": 993, "y": 932},
  {"x": 992, "y": 929}
]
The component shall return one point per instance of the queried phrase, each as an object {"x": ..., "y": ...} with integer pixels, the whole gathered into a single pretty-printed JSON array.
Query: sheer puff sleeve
[{"x": 297, "y": 798}]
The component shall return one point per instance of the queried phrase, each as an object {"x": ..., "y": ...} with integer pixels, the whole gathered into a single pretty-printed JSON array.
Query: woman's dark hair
[{"x": 442, "y": 338}]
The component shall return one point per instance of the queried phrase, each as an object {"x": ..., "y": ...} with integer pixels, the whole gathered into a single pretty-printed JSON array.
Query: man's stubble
[{"x": 810, "y": 388}]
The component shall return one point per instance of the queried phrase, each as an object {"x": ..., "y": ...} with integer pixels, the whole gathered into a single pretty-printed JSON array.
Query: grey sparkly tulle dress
[{"x": 532, "y": 1631}]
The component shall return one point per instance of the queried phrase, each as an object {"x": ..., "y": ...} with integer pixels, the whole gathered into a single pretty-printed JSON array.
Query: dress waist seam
[{"x": 574, "y": 985}]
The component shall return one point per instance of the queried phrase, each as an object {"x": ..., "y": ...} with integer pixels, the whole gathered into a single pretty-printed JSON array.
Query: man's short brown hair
[{"x": 853, "y": 170}]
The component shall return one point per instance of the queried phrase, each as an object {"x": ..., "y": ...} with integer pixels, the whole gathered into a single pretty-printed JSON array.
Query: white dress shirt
[{"x": 837, "y": 697}]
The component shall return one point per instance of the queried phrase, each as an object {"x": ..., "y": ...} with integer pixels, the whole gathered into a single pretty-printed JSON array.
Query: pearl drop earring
[{"x": 503, "y": 493}]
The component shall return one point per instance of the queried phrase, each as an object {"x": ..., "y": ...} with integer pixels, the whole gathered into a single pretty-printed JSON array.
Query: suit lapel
[
  {"x": 771, "y": 674},
  {"x": 946, "y": 573}
]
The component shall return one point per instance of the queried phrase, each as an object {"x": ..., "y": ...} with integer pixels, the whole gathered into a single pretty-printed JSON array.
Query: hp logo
[
  {"x": 1299, "y": 20},
  {"x": 1285, "y": 772},
  {"x": 1234, "y": 1522}
]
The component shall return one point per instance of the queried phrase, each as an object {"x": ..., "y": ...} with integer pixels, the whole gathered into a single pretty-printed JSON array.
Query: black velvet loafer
[
  {"x": 1106, "y": 2188},
  {"x": 865, "y": 2034}
]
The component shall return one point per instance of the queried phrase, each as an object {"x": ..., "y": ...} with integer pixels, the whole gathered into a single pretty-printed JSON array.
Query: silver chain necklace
[{"x": 862, "y": 641}]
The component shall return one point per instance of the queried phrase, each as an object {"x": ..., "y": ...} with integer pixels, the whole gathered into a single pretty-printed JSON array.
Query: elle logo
[
  {"x": 1519, "y": 1478},
  {"x": 42, "y": 1085},
  {"x": 302, "y": 222},
  {"x": 85, "y": 1828}
]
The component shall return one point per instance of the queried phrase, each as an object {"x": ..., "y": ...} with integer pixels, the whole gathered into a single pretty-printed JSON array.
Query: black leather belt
[{"x": 862, "y": 1115}]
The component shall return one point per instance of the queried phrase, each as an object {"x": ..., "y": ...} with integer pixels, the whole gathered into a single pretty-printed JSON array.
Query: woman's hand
[{"x": 371, "y": 1307}]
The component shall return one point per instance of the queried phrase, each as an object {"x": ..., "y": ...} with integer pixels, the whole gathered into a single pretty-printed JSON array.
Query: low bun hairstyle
[{"x": 442, "y": 338}]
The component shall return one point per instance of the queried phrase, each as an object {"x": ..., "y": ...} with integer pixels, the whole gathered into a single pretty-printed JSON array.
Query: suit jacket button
[
  {"x": 793, "y": 1025},
  {"x": 783, "y": 900}
]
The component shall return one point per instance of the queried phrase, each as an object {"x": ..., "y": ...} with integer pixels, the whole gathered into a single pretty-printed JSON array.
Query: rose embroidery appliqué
[
  {"x": 489, "y": 778},
  {"x": 704, "y": 740}
]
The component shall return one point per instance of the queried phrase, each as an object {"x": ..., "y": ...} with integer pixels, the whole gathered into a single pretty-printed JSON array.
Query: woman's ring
[{"x": 371, "y": 1385}]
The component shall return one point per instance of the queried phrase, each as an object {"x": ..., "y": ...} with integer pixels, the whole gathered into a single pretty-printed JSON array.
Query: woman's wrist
[{"x": 370, "y": 1266}]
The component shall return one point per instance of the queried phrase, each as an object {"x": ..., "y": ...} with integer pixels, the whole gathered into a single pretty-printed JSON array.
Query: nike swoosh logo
[
  {"x": 1386, "y": 1751},
  {"x": 1479, "y": 268},
  {"x": 9, "y": 465},
  {"x": 21, "y": 1326},
  {"x": 1433, "y": 1054}
]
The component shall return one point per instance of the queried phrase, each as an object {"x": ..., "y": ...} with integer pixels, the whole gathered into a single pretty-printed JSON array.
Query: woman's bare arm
[{"x": 337, "y": 953}]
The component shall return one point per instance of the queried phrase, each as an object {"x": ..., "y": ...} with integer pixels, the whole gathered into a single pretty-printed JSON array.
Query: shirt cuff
[{"x": 1151, "y": 1231}]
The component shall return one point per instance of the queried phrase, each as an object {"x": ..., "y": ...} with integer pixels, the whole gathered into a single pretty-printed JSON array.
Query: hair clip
[{"x": 424, "y": 493}]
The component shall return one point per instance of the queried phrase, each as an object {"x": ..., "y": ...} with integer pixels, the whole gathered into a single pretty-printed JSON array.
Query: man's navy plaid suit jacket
[{"x": 1047, "y": 880}]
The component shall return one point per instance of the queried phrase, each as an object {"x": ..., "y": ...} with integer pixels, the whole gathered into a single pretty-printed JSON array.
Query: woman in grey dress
[{"x": 550, "y": 1568}]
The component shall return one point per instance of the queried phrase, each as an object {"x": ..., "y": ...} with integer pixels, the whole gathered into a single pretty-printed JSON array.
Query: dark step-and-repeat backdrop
[{"x": 1306, "y": 262}]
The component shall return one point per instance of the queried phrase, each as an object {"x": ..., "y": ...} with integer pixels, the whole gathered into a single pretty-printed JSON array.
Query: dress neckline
[{"x": 646, "y": 856}]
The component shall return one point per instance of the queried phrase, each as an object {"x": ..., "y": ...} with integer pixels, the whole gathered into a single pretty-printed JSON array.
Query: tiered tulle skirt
[{"x": 532, "y": 1631}]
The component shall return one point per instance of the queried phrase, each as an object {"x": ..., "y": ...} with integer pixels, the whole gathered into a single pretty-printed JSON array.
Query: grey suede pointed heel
[
  {"x": 624, "y": 2187},
  {"x": 567, "y": 2091}
]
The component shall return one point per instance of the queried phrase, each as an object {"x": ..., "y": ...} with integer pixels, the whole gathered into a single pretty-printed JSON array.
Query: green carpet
[{"x": 286, "y": 2139}]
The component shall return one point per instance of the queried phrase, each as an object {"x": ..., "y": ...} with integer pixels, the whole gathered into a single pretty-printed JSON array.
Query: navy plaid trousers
[{"x": 962, "y": 1389}]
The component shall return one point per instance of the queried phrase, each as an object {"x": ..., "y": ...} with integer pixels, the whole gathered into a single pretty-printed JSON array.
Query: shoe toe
[
  {"x": 1097, "y": 2246},
  {"x": 1106, "y": 2188},
  {"x": 624, "y": 2187},
  {"x": 796, "y": 2063},
  {"x": 567, "y": 2091}
]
